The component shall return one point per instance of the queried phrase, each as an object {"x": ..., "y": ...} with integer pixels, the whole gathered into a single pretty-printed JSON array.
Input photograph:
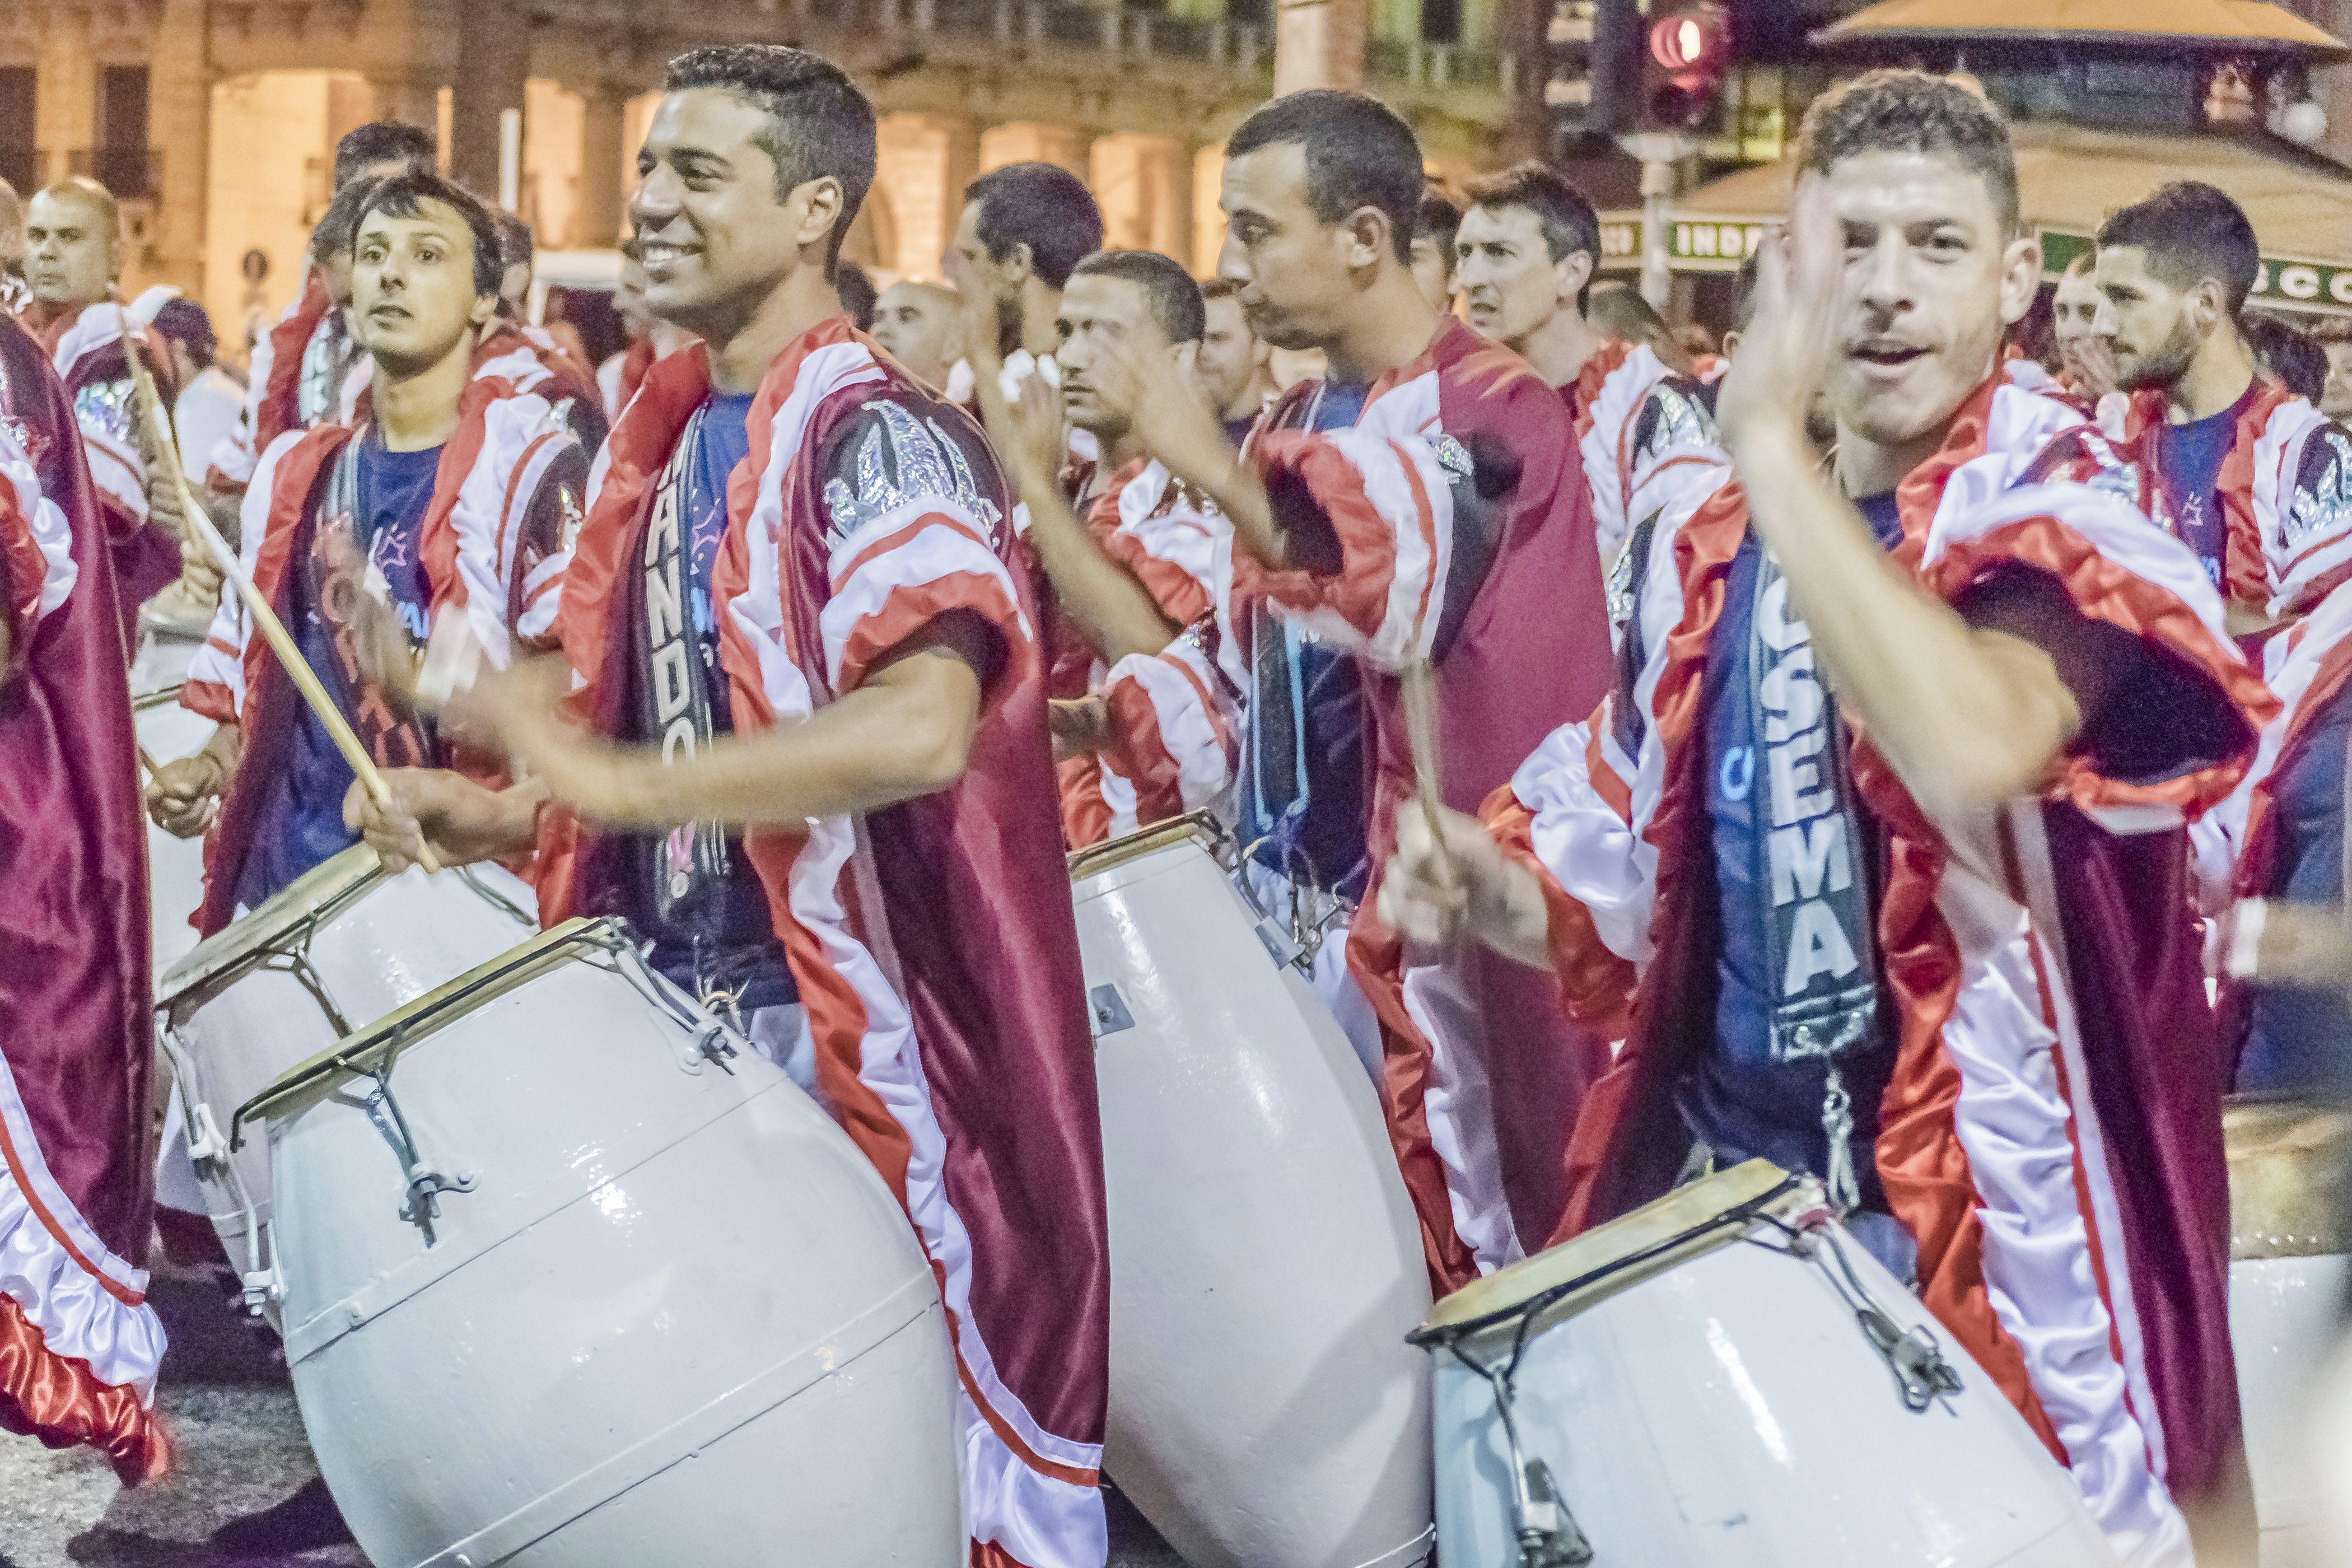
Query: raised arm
[{"x": 1967, "y": 716}]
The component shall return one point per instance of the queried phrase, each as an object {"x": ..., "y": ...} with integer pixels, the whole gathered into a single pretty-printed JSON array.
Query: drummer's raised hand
[
  {"x": 1434, "y": 894},
  {"x": 462, "y": 821}
]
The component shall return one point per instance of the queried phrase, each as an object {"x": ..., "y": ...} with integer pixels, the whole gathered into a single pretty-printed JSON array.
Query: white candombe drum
[
  {"x": 575, "y": 1279},
  {"x": 1266, "y": 1411},
  {"x": 1684, "y": 1397},
  {"x": 2289, "y": 1280},
  {"x": 340, "y": 947},
  {"x": 167, "y": 732}
]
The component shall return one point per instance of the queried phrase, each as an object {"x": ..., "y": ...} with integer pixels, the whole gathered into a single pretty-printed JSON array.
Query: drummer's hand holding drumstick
[
  {"x": 1469, "y": 886},
  {"x": 183, "y": 795}
]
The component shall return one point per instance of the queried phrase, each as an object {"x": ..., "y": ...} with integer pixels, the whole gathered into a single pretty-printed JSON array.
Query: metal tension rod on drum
[{"x": 306, "y": 681}]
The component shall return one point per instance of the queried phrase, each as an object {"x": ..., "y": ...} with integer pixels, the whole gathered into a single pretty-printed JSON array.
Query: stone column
[
  {"x": 602, "y": 221},
  {"x": 1319, "y": 43},
  {"x": 961, "y": 168},
  {"x": 493, "y": 58},
  {"x": 65, "y": 87},
  {"x": 1178, "y": 157},
  {"x": 178, "y": 121}
]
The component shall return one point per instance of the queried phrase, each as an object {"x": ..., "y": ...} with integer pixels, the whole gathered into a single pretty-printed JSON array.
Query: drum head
[
  {"x": 374, "y": 1046},
  {"x": 1615, "y": 1257},
  {"x": 312, "y": 896},
  {"x": 2289, "y": 1162},
  {"x": 1198, "y": 827}
]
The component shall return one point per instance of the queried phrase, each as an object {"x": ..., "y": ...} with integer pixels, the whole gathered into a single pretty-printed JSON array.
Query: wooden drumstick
[
  {"x": 281, "y": 643},
  {"x": 1421, "y": 736}
]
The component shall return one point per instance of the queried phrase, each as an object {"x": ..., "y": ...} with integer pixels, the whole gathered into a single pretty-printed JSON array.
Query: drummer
[
  {"x": 808, "y": 759},
  {"x": 1950, "y": 969},
  {"x": 1143, "y": 716},
  {"x": 451, "y": 498}
]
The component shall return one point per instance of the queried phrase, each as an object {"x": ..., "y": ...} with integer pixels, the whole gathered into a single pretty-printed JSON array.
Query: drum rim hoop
[
  {"x": 374, "y": 1045},
  {"x": 1095, "y": 859},
  {"x": 158, "y": 697},
  {"x": 1761, "y": 1187},
  {"x": 314, "y": 898}
]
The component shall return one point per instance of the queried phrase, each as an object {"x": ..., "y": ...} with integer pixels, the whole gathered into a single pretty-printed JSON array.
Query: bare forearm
[
  {"x": 873, "y": 748},
  {"x": 1113, "y": 611},
  {"x": 1967, "y": 718}
]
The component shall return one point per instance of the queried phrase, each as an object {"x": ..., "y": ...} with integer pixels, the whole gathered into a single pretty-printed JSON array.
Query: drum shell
[
  {"x": 2289, "y": 1274},
  {"x": 1266, "y": 1411},
  {"x": 398, "y": 940},
  {"x": 678, "y": 1318},
  {"x": 1728, "y": 1411}
]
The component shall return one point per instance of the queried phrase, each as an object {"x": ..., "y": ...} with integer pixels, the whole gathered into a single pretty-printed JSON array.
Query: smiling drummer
[
  {"x": 806, "y": 756},
  {"x": 451, "y": 496},
  {"x": 1877, "y": 858}
]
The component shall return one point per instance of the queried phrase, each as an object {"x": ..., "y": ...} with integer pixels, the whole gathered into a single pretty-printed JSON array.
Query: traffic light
[
  {"x": 1689, "y": 55},
  {"x": 1596, "y": 70}
]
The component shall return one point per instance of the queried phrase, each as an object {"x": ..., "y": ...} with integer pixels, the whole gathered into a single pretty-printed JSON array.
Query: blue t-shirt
[
  {"x": 2188, "y": 458},
  {"x": 1737, "y": 1099},
  {"x": 1321, "y": 841},
  {"x": 302, "y": 823},
  {"x": 2300, "y": 1038},
  {"x": 741, "y": 956}
]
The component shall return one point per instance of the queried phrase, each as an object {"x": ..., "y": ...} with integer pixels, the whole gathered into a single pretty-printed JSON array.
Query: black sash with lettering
[{"x": 1810, "y": 873}]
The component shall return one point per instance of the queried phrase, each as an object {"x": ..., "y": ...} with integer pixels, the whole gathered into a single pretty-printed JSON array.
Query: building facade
[{"x": 216, "y": 121}]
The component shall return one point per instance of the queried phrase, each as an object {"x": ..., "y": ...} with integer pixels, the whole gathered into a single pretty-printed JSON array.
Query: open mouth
[
  {"x": 659, "y": 255},
  {"x": 1886, "y": 355}
]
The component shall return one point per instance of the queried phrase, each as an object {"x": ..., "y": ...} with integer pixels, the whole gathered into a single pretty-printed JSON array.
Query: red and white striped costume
[
  {"x": 273, "y": 388},
  {"x": 85, "y": 346},
  {"x": 495, "y": 545},
  {"x": 2050, "y": 1136},
  {"x": 932, "y": 942},
  {"x": 78, "y": 1346},
  {"x": 1170, "y": 747}
]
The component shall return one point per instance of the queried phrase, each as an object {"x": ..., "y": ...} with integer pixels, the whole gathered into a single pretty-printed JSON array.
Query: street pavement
[{"x": 239, "y": 1450}]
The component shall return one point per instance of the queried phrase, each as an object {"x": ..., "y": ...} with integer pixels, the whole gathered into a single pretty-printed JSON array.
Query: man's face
[
  {"x": 412, "y": 299},
  {"x": 72, "y": 254},
  {"x": 1097, "y": 313},
  {"x": 12, "y": 232},
  {"x": 2154, "y": 324},
  {"x": 1509, "y": 280},
  {"x": 1230, "y": 352},
  {"x": 1430, "y": 273},
  {"x": 1297, "y": 274},
  {"x": 1932, "y": 279},
  {"x": 913, "y": 324},
  {"x": 2335, "y": 397},
  {"x": 975, "y": 272},
  {"x": 2075, "y": 309},
  {"x": 715, "y": 240}
]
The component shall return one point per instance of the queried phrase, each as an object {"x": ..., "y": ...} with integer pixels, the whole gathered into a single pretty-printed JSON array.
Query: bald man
[
  {"x": 915, "y": 325},
  {"x": 73, "y": 258}
]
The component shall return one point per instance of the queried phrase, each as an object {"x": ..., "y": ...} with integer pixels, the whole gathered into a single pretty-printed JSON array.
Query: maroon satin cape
[{"x": 76, "y": 1024}]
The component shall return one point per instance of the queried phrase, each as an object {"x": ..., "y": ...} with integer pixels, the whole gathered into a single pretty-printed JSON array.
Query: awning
[
  {"x": 2069, "y": 178},
  {"x": 2228, "y": 26}
]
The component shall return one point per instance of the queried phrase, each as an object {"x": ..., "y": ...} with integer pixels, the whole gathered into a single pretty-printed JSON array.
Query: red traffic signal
[{"x": 1690, "y": 48}]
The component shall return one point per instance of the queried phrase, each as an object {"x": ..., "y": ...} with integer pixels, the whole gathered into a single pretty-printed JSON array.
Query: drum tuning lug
[
  {"x": 709, "y": 1044},
  {"x": 1549, "y": 1534},
  {"x": 426, "y": 1183},
  {"x": 206, "y": 1143},
  {"x": 263, "y": 1289},
  {"x": 1914, "y": 1358}
]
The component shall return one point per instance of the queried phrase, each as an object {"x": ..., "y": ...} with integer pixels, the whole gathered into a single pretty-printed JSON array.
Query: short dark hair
[
  {"x": 515, "y": 245},
  {"x": 1176, "y": 302},
  {"x": 335, "y": 229},
  {"x": 1439, "y": 219},
  {"x": 404, "y": 196},
  {"x": 1618, "y": 308},
  {"x": 380, "y": 140},
  {"x": 1044, "y": 207},
  {"x": 819, "y": 124},
  {"x": 1563, "y": 214},
  {"x": 858, "y": 295},
  {"x": 1359, "y": 153},
  {"x": 1912, "y": 111},
  {"x": 2294, "y": 358},
  {"x": 184, "y": 322},
  {"x": 2190, "y": 232}
]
